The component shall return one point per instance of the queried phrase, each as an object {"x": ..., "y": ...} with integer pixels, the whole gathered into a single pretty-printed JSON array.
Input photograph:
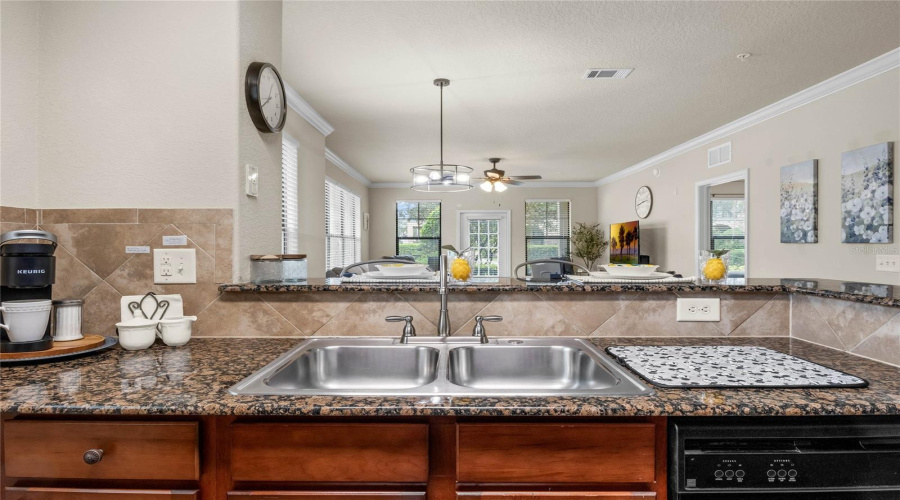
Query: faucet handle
[
  {"x": 479, "y": 327},
  {"x": 408, "y": 331}
]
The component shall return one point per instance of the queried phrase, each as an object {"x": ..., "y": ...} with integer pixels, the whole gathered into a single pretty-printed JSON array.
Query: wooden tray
[{"x": 59, "y": 348}]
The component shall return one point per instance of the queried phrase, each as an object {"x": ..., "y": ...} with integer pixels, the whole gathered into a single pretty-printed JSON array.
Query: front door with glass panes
[{"x": 486, "y": 232}]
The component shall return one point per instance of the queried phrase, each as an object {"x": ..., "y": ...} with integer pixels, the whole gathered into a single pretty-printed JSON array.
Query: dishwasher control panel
[{"x": 745, "y": 471}]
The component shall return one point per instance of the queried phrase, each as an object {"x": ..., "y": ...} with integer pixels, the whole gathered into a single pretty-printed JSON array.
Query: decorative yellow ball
[
  {"x": 460, "y": 269},
  {"x": 714, "y": 269}
]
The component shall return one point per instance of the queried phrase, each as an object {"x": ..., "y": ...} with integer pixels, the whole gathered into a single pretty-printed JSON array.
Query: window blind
[
  {"x": 728, "y": 226},
  {"x": 343, "y": 233},
  {"x": 546, "y": 229},
  {"x": 290, "y": 211}
]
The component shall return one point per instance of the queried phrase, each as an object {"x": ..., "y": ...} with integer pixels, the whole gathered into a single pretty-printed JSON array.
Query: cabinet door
[
  {"x": 326, "y": 495},
  {"x": 18, "y": 493},
  {"x": 375, "y": 453},
  {"x": 130, "y": 450},
  {"x": 556, "y": 453},
  {"x": 558, "y": 495}
]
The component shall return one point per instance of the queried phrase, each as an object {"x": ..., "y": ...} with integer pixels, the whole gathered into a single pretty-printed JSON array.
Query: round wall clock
[
  {"x": 643, "y": 202},
  {"x": 265, "y": 97}
]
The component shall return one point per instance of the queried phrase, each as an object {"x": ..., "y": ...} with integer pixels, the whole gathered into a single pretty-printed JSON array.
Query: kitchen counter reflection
[{"x": 871, "y": 293}]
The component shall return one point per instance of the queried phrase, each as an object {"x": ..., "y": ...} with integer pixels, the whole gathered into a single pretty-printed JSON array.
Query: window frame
[
  {"x": 357, "y": 238},
  {"x": 568, "y": 238},
  {"x": 398, "y": 238},
  {"x": 712, "y": 236}
]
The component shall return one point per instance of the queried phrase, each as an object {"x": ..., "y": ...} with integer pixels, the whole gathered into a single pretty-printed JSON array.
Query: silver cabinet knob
[{"x": 92, "y": 457}]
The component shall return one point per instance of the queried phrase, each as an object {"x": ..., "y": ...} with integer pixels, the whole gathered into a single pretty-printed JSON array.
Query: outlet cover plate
[
  {"x": 887, "y": 263},
  {"x": 174, "y": 265},
  {"x": 697, "y": 310}
]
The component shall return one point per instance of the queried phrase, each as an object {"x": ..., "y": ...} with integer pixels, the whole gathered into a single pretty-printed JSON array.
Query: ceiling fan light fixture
[
  {"x": 487, "y": 186},
  {"x": 500, "y": 187},
  {"x": 441, "y": 177}
]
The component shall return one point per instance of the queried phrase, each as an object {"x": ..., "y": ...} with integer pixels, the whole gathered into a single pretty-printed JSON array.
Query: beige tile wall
[
  {"x": 91, "y": 262},
  {"x": 92, "y": 265}
]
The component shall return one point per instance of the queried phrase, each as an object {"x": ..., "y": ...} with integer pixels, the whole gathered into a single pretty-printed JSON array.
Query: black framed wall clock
[{"x": 265, "y": 97}]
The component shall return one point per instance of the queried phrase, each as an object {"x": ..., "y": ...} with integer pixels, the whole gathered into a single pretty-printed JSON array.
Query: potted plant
[{"x": 588, "y": 243}]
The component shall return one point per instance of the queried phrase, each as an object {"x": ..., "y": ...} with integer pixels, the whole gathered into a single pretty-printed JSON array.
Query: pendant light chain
[{"x": 442, "y": 128}]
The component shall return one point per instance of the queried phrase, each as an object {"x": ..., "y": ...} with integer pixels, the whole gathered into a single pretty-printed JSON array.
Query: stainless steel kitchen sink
[{"x": 450, "y": 366}]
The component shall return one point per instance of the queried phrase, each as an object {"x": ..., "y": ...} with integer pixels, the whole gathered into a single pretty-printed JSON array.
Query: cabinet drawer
[
  {"x": 131, "y": 450},
  {"x": 558, "y": 495},
  {"x": 330, "y": 452},
  {"x": 326, "y": 495},
  {"x": 91, "y": 494},
  {"x": 556, "y": 453}
]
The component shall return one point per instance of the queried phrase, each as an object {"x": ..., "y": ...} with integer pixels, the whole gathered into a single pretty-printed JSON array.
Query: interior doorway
[
  {"x": 722, "y": 220},
  {"x": 486, "y": 232}
]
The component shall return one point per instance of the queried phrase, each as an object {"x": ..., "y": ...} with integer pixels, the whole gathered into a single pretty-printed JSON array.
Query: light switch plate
[
  {"x": 697, "y": 310},
  {"x": 252, "y": 188},
  {"x": 176, "y": 265},
  {"x": 888, "y": 263}
]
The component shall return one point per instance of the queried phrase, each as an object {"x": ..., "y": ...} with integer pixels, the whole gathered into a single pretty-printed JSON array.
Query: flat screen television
[{"x": 624, "y": 243}]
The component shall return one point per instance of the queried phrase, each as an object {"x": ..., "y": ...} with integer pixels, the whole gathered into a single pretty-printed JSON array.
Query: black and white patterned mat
[{"x": 728, "y": 366}]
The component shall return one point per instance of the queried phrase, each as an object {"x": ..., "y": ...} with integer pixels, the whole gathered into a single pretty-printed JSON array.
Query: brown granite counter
[
  {"x": 194, "y": 380},
  {"x": 869, "y": 293}
]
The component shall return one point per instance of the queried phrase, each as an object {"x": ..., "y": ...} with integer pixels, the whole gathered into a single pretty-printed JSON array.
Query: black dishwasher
[{"x": 791, "y": 458}]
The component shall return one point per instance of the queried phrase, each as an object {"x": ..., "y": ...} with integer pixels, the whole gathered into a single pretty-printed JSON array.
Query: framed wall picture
[
  {"x": 867, "y": 194},
  {"x": 799, "y": 202}
]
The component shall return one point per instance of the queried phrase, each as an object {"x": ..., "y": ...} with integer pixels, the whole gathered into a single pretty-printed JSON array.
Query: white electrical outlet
[
  {"x": 252, "y": 188},
  {"x": 889, "y": 263},
  {"x": 697, "y": 310},
  {"x": 174, "y": 265}
]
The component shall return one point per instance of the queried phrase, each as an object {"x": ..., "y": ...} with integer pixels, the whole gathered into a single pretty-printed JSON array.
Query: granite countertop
[
  {"x": 870, "y": 293},
  {"x": 194, "y": 380}
]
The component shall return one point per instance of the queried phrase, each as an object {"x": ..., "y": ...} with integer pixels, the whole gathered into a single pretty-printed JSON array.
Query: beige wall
[
  {"x": 864, "y": 114},
  {"x": 20, "y": 53},
  {"x": 383, "y": 232},
  {"x": 258, "y": 220},
  {"x": 337, "y": 175}
]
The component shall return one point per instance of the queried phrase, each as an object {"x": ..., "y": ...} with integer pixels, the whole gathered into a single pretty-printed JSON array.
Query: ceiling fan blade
[
  {"x": 525, "y": 177},
  {"x": 511, "y": 182}
]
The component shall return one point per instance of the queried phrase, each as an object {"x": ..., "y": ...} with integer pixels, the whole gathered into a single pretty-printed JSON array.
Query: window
[
  {"x": 290, "y": 212},
  {"x": 546, "y": 229},
  {"x": 727, "y": 223},
  {"x": 419, "y": 230},
  {"x": 343, "y": 235}
]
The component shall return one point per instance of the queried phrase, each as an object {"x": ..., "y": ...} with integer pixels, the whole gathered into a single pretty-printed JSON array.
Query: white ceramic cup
[
  {"x": 26, "y": 320},
  {"x": 137, "y": 334},
  {"x": 176, "y": 331}
]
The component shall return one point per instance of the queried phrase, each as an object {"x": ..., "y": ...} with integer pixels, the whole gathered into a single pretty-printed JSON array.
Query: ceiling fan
[{"x": 496, "y": 179}]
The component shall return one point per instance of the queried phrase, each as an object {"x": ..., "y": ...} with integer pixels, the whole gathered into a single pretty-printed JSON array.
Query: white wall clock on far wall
[
  {"x": 265, "y": 97},
  {"x": 643, "y": 202}
]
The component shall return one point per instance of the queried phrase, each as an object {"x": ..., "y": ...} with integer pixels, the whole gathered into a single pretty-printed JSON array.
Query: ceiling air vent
[
  {"x": 597, "y": 74},
  {"x": 718, "y": 155}
]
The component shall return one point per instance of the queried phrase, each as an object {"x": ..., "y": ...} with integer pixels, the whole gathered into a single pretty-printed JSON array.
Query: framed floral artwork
[
  {"x": 867, "y": 194},
  {"x": 799, "y": 202}
]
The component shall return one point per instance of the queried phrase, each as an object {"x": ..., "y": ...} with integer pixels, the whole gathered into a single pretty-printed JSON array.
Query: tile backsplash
[
  {"x": 91, "y": 262},
  {"x": 92, "y": 265}
]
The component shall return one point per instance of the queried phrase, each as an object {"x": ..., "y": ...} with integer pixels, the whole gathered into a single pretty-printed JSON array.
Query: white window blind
[
  {"x": 546, "y": 229},
  {"x": 728, "y": 230},
  {"x": 290, "y": 211},
  {"x": 343, "y": 235}
]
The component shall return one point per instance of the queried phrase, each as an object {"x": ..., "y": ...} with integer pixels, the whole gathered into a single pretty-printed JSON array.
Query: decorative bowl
[
  {"x": 401, "y": 269},
  {"x": 626, "y": 270}
]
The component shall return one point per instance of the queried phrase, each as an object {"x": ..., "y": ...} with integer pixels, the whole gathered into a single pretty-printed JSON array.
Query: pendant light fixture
[{"x": 441, "y": 177}]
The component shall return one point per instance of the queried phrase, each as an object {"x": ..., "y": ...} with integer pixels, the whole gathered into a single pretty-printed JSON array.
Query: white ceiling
[{"x": 516, "y": 70}]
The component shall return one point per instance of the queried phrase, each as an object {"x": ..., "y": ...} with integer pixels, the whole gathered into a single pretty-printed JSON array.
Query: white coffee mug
[
  {"x": 136, "y": 334},
  {"x": 26, "y": 320},
  {"x": 176, "y": 331}
]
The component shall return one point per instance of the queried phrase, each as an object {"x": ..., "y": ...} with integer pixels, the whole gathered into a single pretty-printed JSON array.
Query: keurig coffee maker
[{"x": 27, "y": 273}]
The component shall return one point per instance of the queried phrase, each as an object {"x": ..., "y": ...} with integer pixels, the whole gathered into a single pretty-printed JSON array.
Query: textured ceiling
[{"x": 516, "y": 71}]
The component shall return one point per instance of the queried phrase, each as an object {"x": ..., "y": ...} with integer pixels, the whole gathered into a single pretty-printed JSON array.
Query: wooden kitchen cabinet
[
  {"x": 97, "y": 494},
  {"x": 326, "y": 495}
]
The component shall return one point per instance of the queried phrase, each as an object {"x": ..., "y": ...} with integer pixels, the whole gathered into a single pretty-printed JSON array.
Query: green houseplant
[{"x": 588, "y": 243}]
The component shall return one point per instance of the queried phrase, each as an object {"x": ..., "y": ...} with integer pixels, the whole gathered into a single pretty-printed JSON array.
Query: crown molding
[
  {"x": 305, "y": 110},
  {"x": 529, "y": 184},
  {"x": 338, "y": 162},
  {"x": 861, "y": 73}
]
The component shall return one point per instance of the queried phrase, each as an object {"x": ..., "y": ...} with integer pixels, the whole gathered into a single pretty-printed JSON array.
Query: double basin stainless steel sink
[{"x": 450, "y": 366}]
